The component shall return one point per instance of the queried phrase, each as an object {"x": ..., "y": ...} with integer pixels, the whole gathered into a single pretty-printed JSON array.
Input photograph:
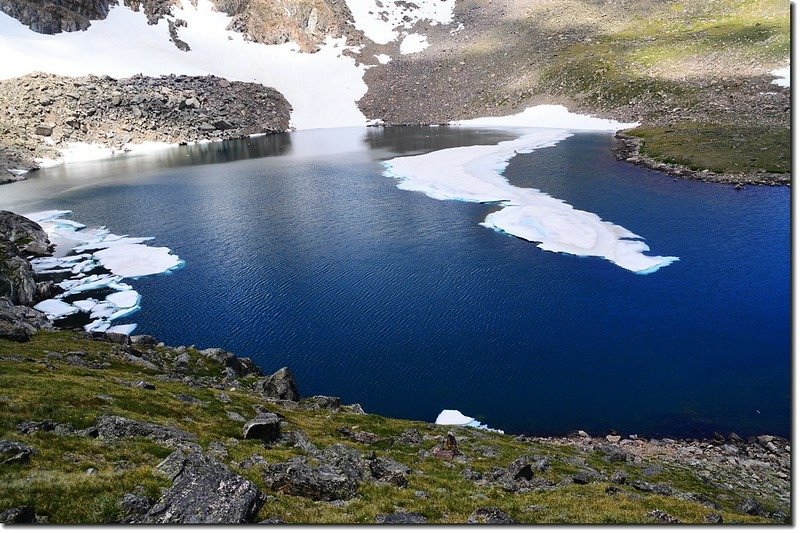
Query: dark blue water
[{"x": 312, "y": 259}]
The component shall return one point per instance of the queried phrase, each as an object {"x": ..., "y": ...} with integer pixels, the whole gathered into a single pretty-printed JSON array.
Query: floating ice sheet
[
  {"x": 474, "y": 174},
  {"x": 137, "y": 260},
  {"x": 55, "y": 309}
]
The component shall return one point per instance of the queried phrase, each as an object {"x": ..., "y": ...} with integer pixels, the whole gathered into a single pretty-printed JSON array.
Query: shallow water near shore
[{"x": 299, "y": 252}]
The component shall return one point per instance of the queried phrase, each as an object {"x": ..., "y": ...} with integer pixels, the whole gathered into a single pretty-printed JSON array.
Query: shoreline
[{"x": 629, "y": 150}]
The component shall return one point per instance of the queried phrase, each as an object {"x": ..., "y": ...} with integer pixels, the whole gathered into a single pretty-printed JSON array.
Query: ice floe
[
  {"x": 451, "y": 417},
  {"x": 81, "y": 250},
  {"x": 474, "y": 174},
  {"x": 55, "y": 309},
  {"x": 137, "y": 260}
]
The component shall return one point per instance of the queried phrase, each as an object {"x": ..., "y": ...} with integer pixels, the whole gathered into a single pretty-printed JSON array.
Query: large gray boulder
[
  {"x": 27, "y": 235},
  {"x": 119, "y": 427},
  {"x": 203, "y": 491},
  {"x": 19, "y": 322},
  {"x": 323, "y": 482},
  {"x": 17, "y": 281},
  {"x": 265, "y": 427},
  {"x": 241, "y": 366},
  {"x": 280, "y": 385}
]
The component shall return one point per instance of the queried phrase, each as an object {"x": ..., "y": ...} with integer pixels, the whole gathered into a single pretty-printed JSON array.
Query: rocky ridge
[{"x": 43, "y": 113}]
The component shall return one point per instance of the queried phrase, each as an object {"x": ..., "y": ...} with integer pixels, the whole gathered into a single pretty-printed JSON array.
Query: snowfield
[{"x": 322, "y": 88}]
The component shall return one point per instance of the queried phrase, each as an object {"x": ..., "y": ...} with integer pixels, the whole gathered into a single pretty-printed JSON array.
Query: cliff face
[{"x": 306, "y": 22}]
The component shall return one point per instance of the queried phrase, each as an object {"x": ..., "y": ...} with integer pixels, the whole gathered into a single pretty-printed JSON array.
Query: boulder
[
  {"x": 363, "y": 437},
  {"x": 612, "y": 453},
  {"x": 17, "y": 281},
  {"x": 750, "y": 507},
  {"x": 44, "y": 130},
  {"x": 203, "y": 491},
  {"x": 525, "y": 466},
  {"x": 280, "y": 385},
  {"x": 23, "y": 514},
  {"x": 323, "y": 482},
  {"x": 241, "y": 366},
  {"x": 265, "y": 427},
  {"x": 390, "y": 471},
  {"x": 133, "y": 507},
  {"x": 662, "y": 517},
  {"x": 584, "y": 477},
  {"x": 144, "y": 340},
  {"x": 489, "y": 515},
  {"x": 19, "y": 322},
  {"x": 27, "y": 235},
  {"x": 447, "y": 448},
  {"x": 12, "y": 452},
  {"x": 401, "y": 518},
  {"x": 119, "y": 427}
]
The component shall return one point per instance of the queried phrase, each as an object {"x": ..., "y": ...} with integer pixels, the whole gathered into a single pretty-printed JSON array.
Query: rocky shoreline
[
  {"x": 628, "y": 150},
  {"x": 747, "y": 477},
  {"x": 44, "y": 114}
]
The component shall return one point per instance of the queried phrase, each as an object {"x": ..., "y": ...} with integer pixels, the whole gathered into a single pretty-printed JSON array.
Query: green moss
[{"x": 718, "y": 147}]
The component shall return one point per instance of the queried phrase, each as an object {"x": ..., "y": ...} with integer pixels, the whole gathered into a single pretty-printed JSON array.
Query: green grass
[
  {"x": 718, "y": 147},
  {"x": 56, "y": 481}
]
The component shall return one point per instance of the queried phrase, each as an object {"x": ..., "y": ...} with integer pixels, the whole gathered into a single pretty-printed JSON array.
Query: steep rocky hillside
[
  {"x": 694, "y": 73},
  {"x": 42, "y": 113},
  {"x": 306, "y": 22}
]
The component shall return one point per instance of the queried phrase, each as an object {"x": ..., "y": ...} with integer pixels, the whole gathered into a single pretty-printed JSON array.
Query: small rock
[
  {"x": 660, "y": 516},
  {"x": 714, "y": 518},
  {"x": 613, "y": 439},
  {"x": 751, "y": 507},
  {"x": 12, "y": 452},
  {"x": 18, "y": 515},
  {"x": 489, "y": 515},
  {"x": 44, "y": 130}
]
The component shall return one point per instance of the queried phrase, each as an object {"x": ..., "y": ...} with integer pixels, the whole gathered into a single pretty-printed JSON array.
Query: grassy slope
[
  {"x": 688, "y": 58},
  {"x": 57, "y": 484}
]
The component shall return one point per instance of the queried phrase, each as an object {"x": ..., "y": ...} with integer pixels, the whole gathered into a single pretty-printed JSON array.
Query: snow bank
[
  {"x": 121, "y": 256},
  {"x": 451, "y": 417},
  {"x": 413, "y": 43},
  {"x": 474, "y": 174},
  {"x": 380, "y": 19},
  {"x": 548, "y": 116},
  {"x": 784, "y": 76},
  {"x": 323, "y": 88}
]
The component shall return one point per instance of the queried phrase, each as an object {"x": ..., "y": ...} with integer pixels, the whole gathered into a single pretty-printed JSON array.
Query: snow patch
[
  {"x": 784, "y": 76},
  {"x": 383, "y": 58},
  {"x": 322, "y": 88},
  {"x": 549, "y": 116},
  {"x": 380, "y": 19},
  {"x": 474, "y": 174},
  {"x": 413, "y": 43}
]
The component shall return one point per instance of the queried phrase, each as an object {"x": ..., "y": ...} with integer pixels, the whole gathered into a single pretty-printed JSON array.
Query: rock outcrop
[
  {"x": 306, "y": 22},
  {"x": 203, "y": 491},
  {"x": 41, "y": 113},
  {"x": 118, "y": 427},
  {"x": 280, "y": 385}
]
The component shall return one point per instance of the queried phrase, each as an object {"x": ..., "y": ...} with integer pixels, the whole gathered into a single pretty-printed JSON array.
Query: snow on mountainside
[{"x": 322, "y": 87}]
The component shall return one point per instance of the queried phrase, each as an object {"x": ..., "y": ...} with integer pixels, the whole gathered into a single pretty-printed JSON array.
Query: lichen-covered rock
[
  {"x": 12, "y": 452},
  {"x": 203, "y": 491},
  {"x": 119, "y": 427},
  {"x": 323, "y": 482},
  {"x": 19, "y": 322},
  {"x": 280, "y": 385},
  {"x": 390, "y": 471},
  {"x": 17, "y": 281},
  {"x": 241, "y": 366},
  {"x": 401, "y": 518},
  {"x": 489, "y": 515},
  {"x": 27, "y": 235}
]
